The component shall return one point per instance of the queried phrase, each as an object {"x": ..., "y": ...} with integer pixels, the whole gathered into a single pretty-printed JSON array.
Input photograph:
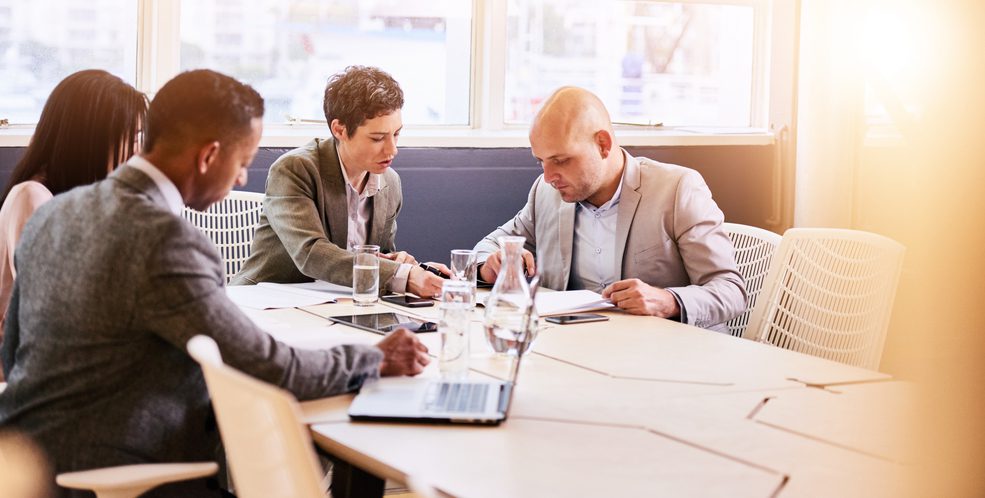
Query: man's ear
[
  {"x": 603, "y": 140},
  {"x": 338, "y": 129},
  {"x": 207, "y": 156}
]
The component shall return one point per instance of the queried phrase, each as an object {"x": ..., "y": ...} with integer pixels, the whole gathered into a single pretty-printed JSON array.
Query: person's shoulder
[
  {"x": 667, "y": 172},
  {"x": 305, "y": 156},
  {"x": 29, "y": 193},
  {"x": 391, "y": 177}
]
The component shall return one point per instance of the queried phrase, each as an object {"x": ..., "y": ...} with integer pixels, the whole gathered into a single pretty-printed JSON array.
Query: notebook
[{"x": 409, "y": 399}]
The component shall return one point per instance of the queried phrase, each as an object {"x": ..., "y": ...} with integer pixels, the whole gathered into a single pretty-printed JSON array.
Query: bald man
[{"x": 646, "y": 235}]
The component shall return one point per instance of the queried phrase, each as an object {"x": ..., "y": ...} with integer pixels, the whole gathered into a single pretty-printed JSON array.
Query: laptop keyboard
[{"x": 456, "y": 397}]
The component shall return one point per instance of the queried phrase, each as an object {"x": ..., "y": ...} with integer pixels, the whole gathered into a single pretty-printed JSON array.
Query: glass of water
[
  {"x": 463, "y": 267},
  {"x": 453, "y": 327},
  {"x": 366, "y": 275}
]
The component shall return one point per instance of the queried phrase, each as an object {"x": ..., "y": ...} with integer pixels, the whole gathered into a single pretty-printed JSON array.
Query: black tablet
[{"x": 384, "y": 323}]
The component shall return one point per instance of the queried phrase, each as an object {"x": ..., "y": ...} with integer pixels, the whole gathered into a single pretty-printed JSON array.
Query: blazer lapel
[
  {"x": 336, "y": 208},
  {"x": 377, "y": 220},
  {"x": 566, "y": 229},
  {"x": 629, "y": 200}
]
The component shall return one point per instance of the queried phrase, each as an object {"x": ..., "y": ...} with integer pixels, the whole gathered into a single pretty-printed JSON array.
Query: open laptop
[{"x": 409, "y": 399}]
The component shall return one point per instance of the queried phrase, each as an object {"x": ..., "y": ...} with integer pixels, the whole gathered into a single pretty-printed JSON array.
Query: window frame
[{"x": 772, "y": 99}]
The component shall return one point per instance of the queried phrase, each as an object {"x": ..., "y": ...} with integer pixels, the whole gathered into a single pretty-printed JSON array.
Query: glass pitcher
[{"x": 509, "y": 302}]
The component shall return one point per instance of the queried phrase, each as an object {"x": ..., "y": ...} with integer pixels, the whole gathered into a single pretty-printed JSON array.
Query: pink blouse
[{"x": 23, "y": 200}]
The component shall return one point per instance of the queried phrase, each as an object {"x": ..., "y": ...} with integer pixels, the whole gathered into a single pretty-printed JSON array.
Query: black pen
[{"x": 428, "y": 268}]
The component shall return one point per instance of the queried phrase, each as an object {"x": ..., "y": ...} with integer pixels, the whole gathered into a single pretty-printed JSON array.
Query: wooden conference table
[{"x": 634, "y": 406}]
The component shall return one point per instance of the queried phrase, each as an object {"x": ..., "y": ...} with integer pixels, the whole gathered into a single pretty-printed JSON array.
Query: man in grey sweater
[{"x": 112, "y": 283}]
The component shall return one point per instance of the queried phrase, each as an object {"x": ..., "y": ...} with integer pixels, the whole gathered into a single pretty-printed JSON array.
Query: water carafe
[{"x": 509, "y": 302}]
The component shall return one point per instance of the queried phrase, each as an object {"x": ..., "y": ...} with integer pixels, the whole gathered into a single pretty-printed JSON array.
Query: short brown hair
[{"x": 360, "y": 93}]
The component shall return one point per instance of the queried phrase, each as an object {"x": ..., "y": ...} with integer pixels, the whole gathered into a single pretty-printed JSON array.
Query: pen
[{"x": 428, "y": 268}]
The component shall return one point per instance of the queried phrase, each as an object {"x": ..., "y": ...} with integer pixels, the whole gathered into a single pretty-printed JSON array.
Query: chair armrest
[{"x": 132, "y": 480}]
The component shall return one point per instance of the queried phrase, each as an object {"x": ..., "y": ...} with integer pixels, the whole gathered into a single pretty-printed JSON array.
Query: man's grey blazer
[
  {"x": 668, "y": 234},
  {"x": 305, "y": 223},
  {"x": 110, "y": 286}
]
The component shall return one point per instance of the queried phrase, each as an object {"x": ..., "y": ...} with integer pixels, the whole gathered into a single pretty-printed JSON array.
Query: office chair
[
  {"x": 829, "y": 293},
  {"x": 129, "y": 481},
  {"x": 754, "y": 248},
  {"x": 268, "y": 450},
  {"x": 230, "y": 224}
]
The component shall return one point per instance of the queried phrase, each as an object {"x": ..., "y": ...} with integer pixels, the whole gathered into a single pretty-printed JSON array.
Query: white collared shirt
[
  {"x": 163, "y": 183},
  {"x": 359, "y": 216},
  {"x": 593, "y": 255}
]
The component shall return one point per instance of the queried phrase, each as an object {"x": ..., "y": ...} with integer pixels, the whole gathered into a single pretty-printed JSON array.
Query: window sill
[{"x": 295, "y": 136}]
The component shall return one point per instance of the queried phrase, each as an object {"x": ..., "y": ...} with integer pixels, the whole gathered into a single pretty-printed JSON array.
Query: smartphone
[
  {"x": 409, "y": 301},
  {"x": 582, "y": 318}
]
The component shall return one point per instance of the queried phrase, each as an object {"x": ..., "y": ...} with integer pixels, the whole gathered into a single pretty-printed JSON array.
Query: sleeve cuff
[
  {"x": 399, "y": 281},
  {"x": 680, "y": 304}
]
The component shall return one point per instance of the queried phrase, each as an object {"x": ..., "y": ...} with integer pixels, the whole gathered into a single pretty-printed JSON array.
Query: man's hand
[
  {"x": 400, "y": 257},
  {"x": 490, "y": 269},
  {"x": 424, "y": 283},
  {"x": 638, "y": 298},
  {"x": 403, "y": 354}
]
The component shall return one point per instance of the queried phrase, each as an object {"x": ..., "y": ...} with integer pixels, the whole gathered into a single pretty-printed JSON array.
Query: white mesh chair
[
  {"x": 230, "y": 223},
  {"x": 268, "y": 450},
  {"x": 754, "y": 249},
  {"x": 829, "y": 293}
]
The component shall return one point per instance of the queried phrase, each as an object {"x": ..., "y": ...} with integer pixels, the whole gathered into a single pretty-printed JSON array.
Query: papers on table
[
  {"x": 268, "y": 295},
  {"x": 562, "y": 302}
]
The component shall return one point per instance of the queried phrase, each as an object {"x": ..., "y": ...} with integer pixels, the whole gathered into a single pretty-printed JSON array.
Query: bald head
[
  {"x": 573, "y": 113},
  {"x": 572, "y": 138}
]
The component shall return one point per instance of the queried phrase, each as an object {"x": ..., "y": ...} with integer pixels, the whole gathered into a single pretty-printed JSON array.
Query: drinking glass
[
  {"x": 366, "y": 275},
  {"x": 453, "y": 327},
  {"x": 463, "y": 267}
]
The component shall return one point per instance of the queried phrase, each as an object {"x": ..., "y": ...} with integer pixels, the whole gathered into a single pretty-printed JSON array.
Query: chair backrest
[
  {"x": 268, "y": 449},
  {"x": 230, "y": 224},
  {"x": 754, "y": 248},
  {"x": 829, "y": 293}
]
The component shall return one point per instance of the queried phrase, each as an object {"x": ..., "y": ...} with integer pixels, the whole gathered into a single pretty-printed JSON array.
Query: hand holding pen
[{"x": 436, "y": 269}]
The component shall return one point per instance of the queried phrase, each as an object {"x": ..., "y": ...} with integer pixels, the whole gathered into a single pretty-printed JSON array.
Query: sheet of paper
[
  {"x": 322, "y": 336},
  {"x": 265, "y": 296},
  {"x": 563, "y": 302}
]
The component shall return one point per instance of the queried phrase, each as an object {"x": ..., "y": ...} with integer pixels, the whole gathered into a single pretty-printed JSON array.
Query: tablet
[{"x": 384, "y": 323}]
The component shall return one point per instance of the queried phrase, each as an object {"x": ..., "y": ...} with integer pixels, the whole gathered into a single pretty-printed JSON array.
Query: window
[
  {"x": 288, "y": 49},
  {"x": 674, "y": 63},
  {"x": 473, "y": 72},
  {"x": 43, "y": 42}
]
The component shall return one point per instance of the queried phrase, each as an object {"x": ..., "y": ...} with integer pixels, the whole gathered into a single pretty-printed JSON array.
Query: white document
[
  {"x": 563, "y": 302},
  {"x": 268, "y": 295}
]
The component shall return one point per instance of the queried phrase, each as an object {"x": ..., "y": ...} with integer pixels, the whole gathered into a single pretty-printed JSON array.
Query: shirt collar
[
  {"x": 373, "y": 184},
  {"x": 163, "y": 183},
  {"x": 611, "y": 202}
]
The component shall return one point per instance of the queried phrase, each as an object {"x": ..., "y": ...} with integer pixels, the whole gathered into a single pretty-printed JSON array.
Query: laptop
[{"x": 410, "y": 399}]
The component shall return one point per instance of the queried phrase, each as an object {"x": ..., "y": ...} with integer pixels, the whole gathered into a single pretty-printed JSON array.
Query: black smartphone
[
  {"x": 581, "y": 318},
  {"x": 409, "y": 301}
]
